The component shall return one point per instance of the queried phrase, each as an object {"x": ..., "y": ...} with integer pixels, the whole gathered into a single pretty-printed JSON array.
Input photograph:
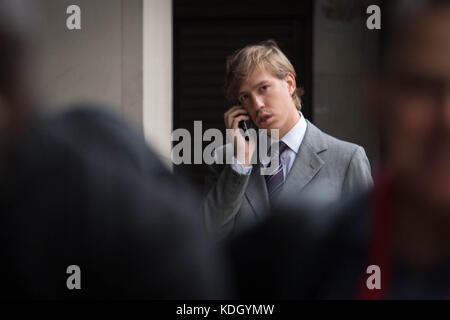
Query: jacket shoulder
[{"x": 333, "y": 146}]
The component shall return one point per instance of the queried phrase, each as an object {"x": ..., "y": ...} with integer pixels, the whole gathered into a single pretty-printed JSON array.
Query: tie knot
[{"x": 283, "y": 146}]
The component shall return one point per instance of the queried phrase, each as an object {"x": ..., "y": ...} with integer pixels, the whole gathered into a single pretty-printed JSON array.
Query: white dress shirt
[{"x": 293, "y": 139}]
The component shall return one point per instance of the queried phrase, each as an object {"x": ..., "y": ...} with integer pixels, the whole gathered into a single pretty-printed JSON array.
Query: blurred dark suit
[
  {"x": 83, "y": 189},
  {"x": 302, "y": 254}
]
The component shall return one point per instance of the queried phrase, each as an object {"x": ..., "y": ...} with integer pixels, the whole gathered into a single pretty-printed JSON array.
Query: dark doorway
[{"x": 206, "y": 32}]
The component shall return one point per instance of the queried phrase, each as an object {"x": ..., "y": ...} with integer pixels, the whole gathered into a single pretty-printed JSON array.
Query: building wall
[
  {"x": 101, "y": 63},
  {"x": 122, "y": 58},
  {"x": 345, "y": 54},
  {"x": 158, "y": 72}
]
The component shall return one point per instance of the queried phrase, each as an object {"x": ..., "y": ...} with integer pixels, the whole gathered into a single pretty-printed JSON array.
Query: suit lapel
[
  {"x": 307, "y": 163},
  {"x": 256, "y": 191}
]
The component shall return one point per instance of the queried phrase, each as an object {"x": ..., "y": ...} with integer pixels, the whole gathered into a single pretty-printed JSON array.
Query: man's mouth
[{"x": 264, "y": 119}]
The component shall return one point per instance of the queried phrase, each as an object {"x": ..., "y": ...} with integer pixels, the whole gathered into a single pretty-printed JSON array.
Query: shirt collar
[{"x": 294, "y": 137}]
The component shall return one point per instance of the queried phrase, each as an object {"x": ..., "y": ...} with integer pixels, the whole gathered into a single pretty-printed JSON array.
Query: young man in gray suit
[{"x": 312, "y": 164}]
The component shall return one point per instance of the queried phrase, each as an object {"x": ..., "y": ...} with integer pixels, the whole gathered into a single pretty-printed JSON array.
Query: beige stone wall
[
  {"x": 101, "y": 63},
  {"x": 158, "y": 72},
  {"x": 122, "y": 58}
]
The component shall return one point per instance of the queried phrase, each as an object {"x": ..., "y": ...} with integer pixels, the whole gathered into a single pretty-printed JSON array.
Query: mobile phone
[{"x": 244, "y": 124}]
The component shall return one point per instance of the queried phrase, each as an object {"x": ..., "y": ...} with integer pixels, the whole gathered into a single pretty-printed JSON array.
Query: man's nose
[{"x": 257, "y": 102}]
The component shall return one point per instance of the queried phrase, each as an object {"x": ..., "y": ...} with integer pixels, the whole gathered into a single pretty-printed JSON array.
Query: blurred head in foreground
[
  {"x": 393, "y": 242},
  {"x": 82, "y": 188},
  {"x": 14, "y": 90},
  {"x": 412, "y": 95}
]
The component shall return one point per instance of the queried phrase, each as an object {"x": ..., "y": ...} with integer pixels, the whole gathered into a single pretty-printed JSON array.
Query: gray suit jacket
[{"x": 324, "y": 170}]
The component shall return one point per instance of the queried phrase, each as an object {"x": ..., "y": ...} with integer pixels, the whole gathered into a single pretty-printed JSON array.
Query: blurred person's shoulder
[
  {"x": 87, "y": 181},
  {"x": 298, "y": 219},
  {"x": 91, "y": 160},
  {"x": 77, "y": 146},
  {"x": 105, "y": 150},
  {"x": 310, "y": 244},
  {"x": 94, "y": 133},
  {"x": 322, "y": 220}
]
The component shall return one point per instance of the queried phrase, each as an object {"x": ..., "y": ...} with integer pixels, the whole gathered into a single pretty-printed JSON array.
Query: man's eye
[
  {"x": 243, "y": 98},
  {"x": 264, "y": 88}
]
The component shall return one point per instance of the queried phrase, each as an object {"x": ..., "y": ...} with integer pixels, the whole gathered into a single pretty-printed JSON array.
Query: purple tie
[{"x": 275, "y": 180}]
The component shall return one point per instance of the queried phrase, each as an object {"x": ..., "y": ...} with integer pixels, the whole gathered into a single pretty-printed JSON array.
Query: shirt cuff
[{"x": 239, "y": 167}]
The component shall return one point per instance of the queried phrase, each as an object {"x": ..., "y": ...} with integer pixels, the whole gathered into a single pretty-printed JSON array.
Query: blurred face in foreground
[
  {"x": 415, "y": 99},
  {"x": 14, "y": 93},
  {"x": 15, "y": 69}
]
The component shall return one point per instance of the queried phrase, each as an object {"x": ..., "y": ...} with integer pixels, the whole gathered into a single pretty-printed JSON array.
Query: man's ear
[{"x": 290, "y": 80}]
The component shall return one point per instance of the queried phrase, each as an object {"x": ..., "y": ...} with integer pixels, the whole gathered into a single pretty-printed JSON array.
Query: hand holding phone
[
  {"x": 244, "y": 124},
  {"x": 237, "y": 117}
]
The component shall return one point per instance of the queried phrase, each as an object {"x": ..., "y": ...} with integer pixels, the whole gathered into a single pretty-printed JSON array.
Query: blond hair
[{"x": 266, "y": 54}]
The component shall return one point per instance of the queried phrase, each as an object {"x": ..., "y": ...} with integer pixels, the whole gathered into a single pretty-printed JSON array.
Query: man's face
[
  {"x": 417, "y": 94},
  {"x": 268, "y": 100}
]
